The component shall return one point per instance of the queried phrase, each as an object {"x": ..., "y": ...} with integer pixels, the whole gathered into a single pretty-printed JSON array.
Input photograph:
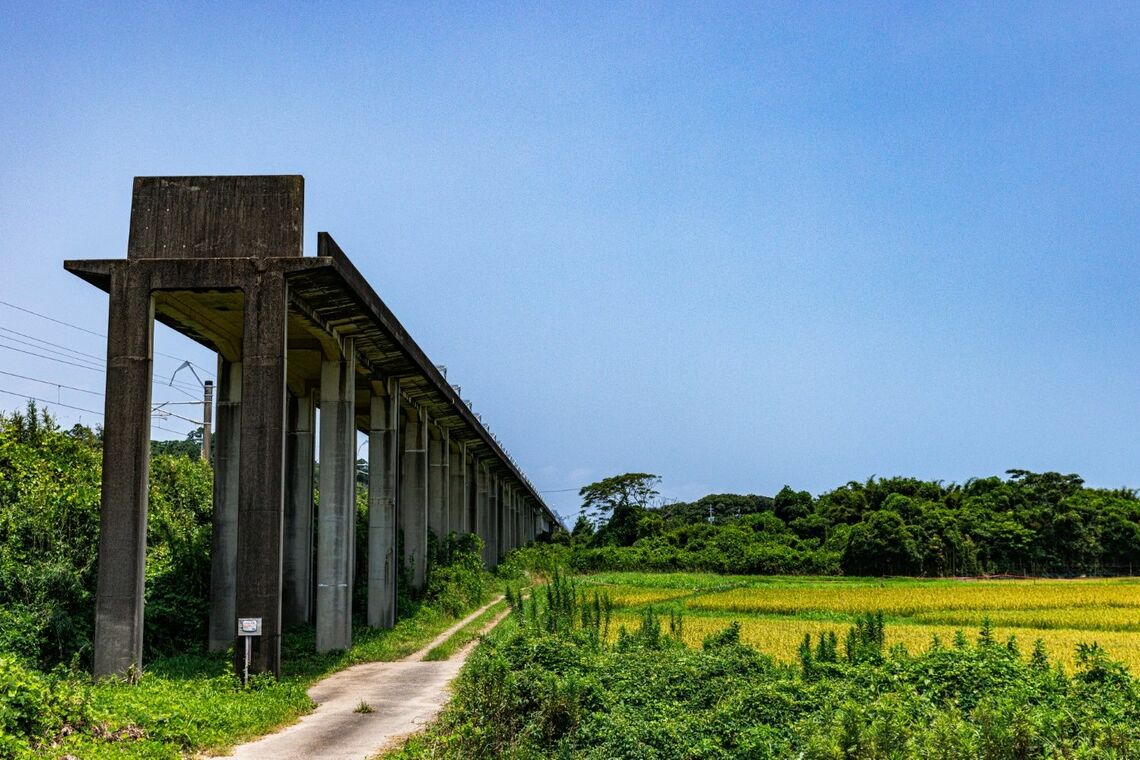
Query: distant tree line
[{"x": 1024, "y": 524}]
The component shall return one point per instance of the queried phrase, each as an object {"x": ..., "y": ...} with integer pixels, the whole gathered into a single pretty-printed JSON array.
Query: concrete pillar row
[
  {"x": 413, "y": 505},
  {"x": 336, "y": 512},
  {"x": 223, "y": 542},
  {"x": 297, "y": 570},
  {"x": 383, "y": 486},
  {"x": 126, "y": 465}
]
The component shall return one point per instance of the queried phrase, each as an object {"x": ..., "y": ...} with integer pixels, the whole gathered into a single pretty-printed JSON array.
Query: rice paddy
[{"x": 775, "y": 613}]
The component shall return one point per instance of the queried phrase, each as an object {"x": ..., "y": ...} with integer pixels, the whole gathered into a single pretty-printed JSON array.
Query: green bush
[
  {"x": 36, "y": 706},
  {"x": 533, "y": 692}
]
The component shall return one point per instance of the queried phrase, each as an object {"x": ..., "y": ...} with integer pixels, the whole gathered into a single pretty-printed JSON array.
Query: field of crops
[{"x": 775, "y": 613}]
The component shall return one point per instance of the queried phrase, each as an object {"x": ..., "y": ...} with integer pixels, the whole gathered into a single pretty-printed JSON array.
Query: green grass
[
  {"x": 466, "y": 634},
  {"x": 192, "y": 703}
]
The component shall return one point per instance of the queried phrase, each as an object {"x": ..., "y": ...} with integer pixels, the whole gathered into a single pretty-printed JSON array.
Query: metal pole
[
  {"x": 207, "y": 418},
  {"x": 248, "y": 657}
]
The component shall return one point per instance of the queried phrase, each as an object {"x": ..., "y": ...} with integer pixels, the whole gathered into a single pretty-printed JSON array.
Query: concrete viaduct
[{"x": 220, "y": 260}]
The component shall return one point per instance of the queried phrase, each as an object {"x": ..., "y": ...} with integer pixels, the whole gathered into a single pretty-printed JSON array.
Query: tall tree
[{"x": 616, "y": 504}]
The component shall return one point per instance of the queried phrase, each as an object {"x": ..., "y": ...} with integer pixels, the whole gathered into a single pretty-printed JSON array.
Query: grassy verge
[
  {"x": 192, "y": 703},
  {"x": 466, "y": 634}
]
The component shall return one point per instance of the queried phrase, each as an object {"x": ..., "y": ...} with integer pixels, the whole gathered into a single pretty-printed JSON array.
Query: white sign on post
[
  {"x": 249, "y": 626},
  {"x": 247, "y": 629}
]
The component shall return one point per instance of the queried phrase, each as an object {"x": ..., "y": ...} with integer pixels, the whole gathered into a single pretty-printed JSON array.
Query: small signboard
[{"x": 249, "y": 626}]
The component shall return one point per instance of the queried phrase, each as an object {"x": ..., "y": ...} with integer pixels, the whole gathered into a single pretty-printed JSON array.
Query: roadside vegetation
[
  {"x": 716, "y": 657},
  {"x": 186, "y": 700},
  {"x": 557, "y": 680}
]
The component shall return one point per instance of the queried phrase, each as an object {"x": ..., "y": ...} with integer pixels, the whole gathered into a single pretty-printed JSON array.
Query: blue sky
[{"x": 736, "y": 245}]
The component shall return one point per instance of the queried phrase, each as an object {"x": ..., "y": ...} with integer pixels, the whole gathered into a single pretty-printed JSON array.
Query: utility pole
[{"x": 207, "y": 418}]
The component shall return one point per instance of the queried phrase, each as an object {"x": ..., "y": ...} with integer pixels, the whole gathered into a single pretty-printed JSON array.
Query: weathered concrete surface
[
  {"x": 223, "y": 543},
  {"x": 404, "y": 695},
  {"x": 297, "y": 564},
  {"x": 335, "y": 515},
  {"x": 413, "y": 504},
  {"x": 261, "y": 490},
  {"x": 126, "y": 463},
  {"x": 383, "y": 467}
]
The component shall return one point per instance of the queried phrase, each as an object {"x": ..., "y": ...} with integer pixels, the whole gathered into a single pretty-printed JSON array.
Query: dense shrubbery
[
  {"x": 550, "y": 686},
  {"x": 49, "y": 528},
  {"x": 1027, "y": 524},
  {"x": 49, "y": 532}
]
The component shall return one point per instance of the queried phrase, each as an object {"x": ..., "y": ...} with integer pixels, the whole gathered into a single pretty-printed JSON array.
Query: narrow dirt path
[{"x": 404, "y": 696}]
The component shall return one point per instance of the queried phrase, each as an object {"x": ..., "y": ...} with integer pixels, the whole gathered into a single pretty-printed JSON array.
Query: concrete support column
[
  {"x": 470, "y": 493},
  {"x": 223, "y": 545},
  {"x": 261, "y": 488},
  {"x": 483, "y": 512},
  {"x": 126, "y": 464},
  {"x": 456, "y": 499},
  {"x": 437, "y": 479},
  {"x": 336, "y": 513},
  {"x": 496, "y": 512},
  {"x": 413, "y": 497},
  {"x": 383, "y": 466},
  {"x": 516, "y": 514},
  {"x": 297, "y": 573}
]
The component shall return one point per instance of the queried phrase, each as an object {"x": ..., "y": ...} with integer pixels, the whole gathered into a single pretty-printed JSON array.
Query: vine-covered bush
[{"x": 35, "y": 706}]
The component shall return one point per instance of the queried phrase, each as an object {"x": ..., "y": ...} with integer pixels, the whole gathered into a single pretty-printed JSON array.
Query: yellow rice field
[{"x": 776, "y": 613}]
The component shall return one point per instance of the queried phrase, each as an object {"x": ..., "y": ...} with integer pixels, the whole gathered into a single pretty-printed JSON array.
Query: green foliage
[
  {"x": 531, "y": 693},
  {"x": 1028, "y": 524},
  {"x": 456, "y": 579},
  {"x": 35, "y": 706},
  {"x": 49, "y": 528}
]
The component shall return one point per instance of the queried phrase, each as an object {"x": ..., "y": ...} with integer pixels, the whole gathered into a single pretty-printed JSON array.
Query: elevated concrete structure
[{"x": 219, "y": 259}]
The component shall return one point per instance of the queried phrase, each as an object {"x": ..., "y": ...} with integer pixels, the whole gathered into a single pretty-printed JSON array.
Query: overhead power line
[
  {"x": 84, "y": 329},
  {"x": 59, "y": 385},
  {"x": 49, "y": 343},
  {"x": 183, "y": 387},
  {"x": 77, "y": 408}
]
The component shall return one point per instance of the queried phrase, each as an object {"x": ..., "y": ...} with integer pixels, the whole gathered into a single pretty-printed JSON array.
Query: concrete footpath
[{"x": 404, "y": 695}]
